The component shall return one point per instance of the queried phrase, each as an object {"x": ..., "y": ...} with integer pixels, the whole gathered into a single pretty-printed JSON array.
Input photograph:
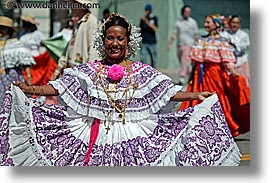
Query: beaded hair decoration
[
  {"x": 133, "y": 43},
  {"x": 218, "y": 20}
]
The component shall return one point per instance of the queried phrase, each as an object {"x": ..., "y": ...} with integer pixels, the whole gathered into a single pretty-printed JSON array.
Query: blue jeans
[{"x": 151, "y": 50}]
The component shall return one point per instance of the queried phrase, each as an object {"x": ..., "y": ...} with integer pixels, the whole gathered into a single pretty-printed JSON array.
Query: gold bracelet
[{"x": 33, "y": 88}]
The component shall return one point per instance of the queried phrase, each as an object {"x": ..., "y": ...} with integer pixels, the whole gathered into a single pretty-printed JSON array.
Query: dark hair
[
  {"x": 11, "y": 31},
  {"x": 117, "y": 20},
  {"x": 235, "y": 16},
  {"x": 184, "y": 7},
  {"x": 30, "y": 27},
  {"x": 148, "y": 7},
  {"x": 106, "y": 11}
]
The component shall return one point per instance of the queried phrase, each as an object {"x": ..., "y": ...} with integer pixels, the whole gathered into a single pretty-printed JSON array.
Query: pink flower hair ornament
[{"x": 116, "y": 72}]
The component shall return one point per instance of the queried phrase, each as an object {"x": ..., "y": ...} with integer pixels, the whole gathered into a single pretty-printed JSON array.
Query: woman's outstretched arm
[
  {"x": 186, "y": 96},
  {"x": 44, "y": 90}
]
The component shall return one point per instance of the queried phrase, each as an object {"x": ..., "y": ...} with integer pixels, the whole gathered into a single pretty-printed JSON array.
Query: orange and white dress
[{"x": 213, "y": 58}]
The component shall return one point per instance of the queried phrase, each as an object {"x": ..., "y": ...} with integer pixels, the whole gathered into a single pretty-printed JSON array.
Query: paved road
[{"x": 243, "y": 142}]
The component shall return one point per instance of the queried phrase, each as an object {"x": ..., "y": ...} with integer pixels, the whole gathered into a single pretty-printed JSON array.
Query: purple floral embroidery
[
  {"x": 75, "y": 90},
  {"x": 209, "y": 140},
  {"x": 55, "y": 139},
  {"x": 201, "y": 144},
  {"x": 217, "y": 110},
  {"x": 5, "y": 112},
  {"x": 6, "y": 80},
  {"x": 141, "y": 151},
  {"x": 209, "y": 131},
  {"x": 79, "y": 94},
  {"x": 189, "y": 153}
]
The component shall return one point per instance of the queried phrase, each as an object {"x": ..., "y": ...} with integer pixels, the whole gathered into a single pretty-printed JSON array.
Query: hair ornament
[{"x": 133, "y": 43}]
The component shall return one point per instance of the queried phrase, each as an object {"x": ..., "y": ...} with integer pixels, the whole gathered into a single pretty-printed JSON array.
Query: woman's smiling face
[
  {"x": 235, "y": 24},
  {"x": 115, "y": 42},
  {"x": 209, "y": 25}
]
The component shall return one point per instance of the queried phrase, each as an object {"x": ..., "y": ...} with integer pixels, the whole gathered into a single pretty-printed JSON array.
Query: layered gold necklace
[{"x": 117, "y": 105}]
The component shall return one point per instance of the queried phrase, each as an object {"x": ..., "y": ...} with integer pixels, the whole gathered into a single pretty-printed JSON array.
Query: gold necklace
[{"x": 115, "y": 104}]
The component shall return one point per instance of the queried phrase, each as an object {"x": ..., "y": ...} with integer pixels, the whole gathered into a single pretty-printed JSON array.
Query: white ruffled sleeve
[{"x": 152, "y": 95}]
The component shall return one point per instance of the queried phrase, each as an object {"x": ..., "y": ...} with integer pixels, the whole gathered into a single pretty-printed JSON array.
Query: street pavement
[{"x": 243, "y": 140}]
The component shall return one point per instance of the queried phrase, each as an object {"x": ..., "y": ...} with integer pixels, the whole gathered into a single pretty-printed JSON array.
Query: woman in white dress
[
  {"x": 239, "y": 39},
  {"x": 32, "y": 37},
  {"x": 14, "y": 57},
  {"x": 116, "y": 112}
]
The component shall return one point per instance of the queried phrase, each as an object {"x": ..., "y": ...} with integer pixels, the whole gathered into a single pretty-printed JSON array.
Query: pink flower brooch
[{"x": 116, "y": 72}]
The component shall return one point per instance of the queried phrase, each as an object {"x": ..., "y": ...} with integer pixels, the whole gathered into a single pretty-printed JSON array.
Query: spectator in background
[
  {"x": 149, "y": 25},
  {"x": 32, "y": 37},
  {"x": 186, "y": 32},
  {"x": 214, "y": 71},
  {"x": 240, "y": 41},
  {"x": 14, "y": 58},
  {"x": 58, "y": 42},
  {"x": 106, "y": 14},
  {"x": 80, "y": 47}
]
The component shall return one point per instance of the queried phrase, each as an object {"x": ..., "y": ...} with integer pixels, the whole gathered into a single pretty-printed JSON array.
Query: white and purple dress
[
  {"x": 13, "y": 58},
  {"x": 33, "y": 133}
]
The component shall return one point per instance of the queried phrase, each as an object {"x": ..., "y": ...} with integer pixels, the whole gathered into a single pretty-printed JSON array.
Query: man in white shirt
[{"x": 186, "y": 32}]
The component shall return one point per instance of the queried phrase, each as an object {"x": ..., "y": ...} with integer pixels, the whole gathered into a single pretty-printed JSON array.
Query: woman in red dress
[{"x": 213, "y": 70}]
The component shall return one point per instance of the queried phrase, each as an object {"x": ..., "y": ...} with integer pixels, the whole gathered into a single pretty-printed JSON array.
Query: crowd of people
[
  {"x": 214, "y": 70},
  {"x": 106, "y": 109}
]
